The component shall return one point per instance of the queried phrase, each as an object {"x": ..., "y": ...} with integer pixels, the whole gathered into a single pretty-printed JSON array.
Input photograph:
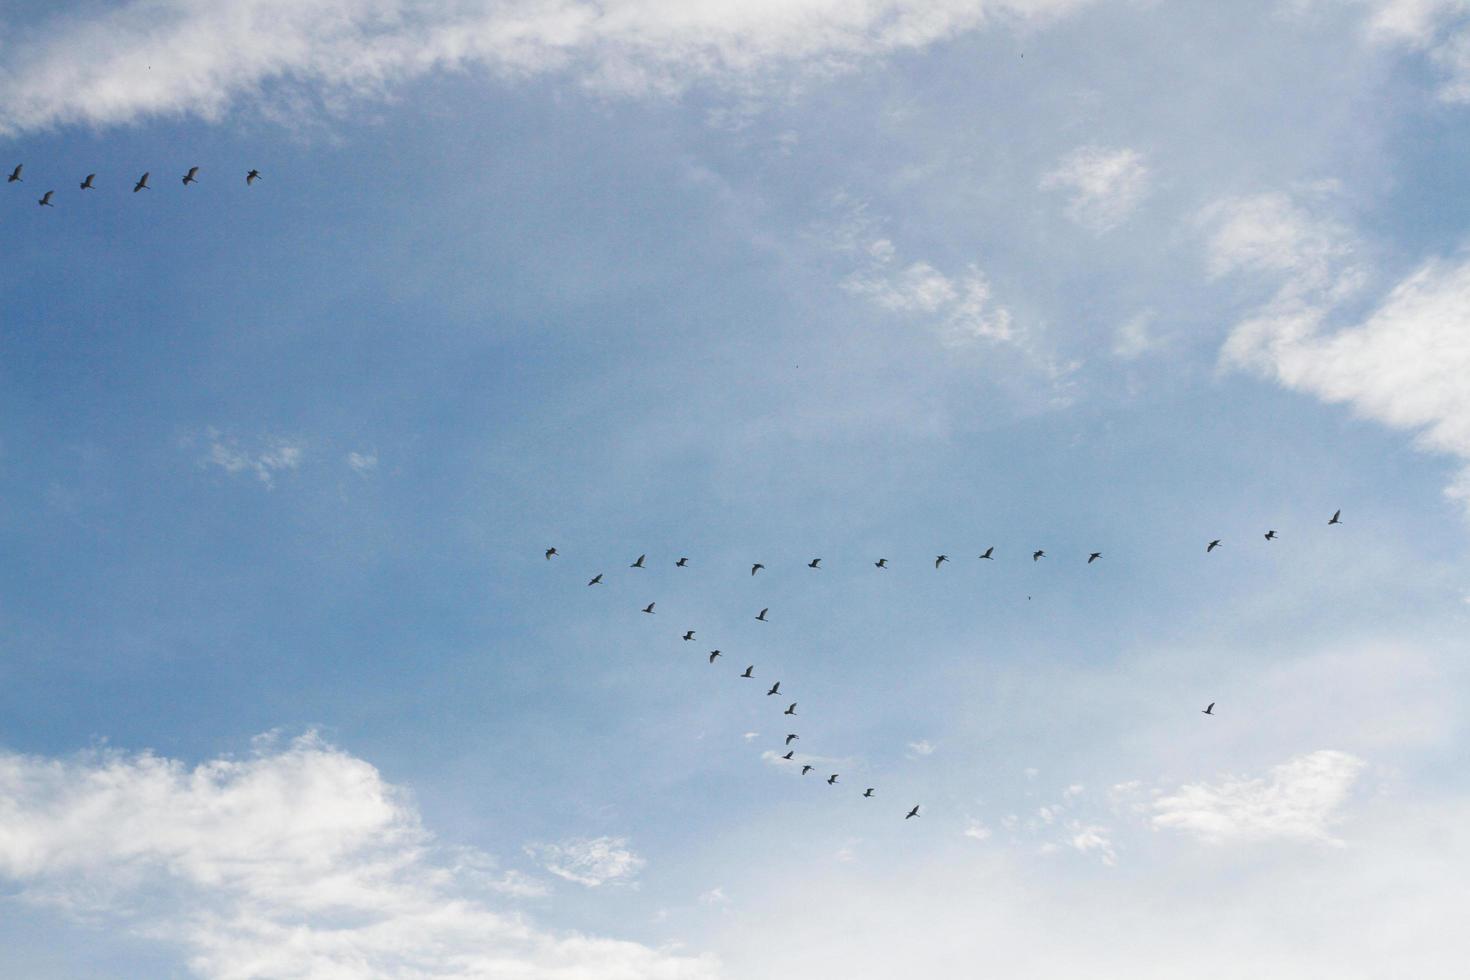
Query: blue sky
[{"x": 288, "y": 690}]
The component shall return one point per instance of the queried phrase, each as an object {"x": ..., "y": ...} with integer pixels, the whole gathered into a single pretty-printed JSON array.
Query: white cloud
[
  {"x": 1135, "y": 338},
  {"x": 297, "y": 862},
  {"x": 1298, "y": 799},
  {"x": 363, "y": 464},
  {"x": 274, "y": 456},
  {"x": 921, "y": 748},
  {"x": 1436, "y": 28},
  {"x": 961, "y": 306},
  {"x": 976, "y": 830},
  {"x": 1089, "y": 838},
  {"x": 715, "y": 896},
  {"x": 590, "y": 861},
  {"x": 1106, "y": 185},
  {"x": 171, "y": 57}
]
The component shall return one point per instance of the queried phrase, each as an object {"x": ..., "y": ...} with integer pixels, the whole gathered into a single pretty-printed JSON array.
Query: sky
[{"x": 289, "y": 690}]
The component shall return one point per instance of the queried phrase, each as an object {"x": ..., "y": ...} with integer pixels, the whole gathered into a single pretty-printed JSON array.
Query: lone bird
[
  {"x": 868, "y": 793},
  {"x": 940, "y": 560},
  {"x": 550, "y": 553},
  {"x": 1212, "y": 546},
  {"x": 142, "y": 184},
  {"x": 14, "y": 174},
  {"x": 639, "y": 562},
  {"x": 1336, "y": 518},
  {"x": 914, "y": 812},
  {"x": 86, "y": 185},
  {"x": 1037, "y": 555},
  {"x": 596, "y": 579},
  {"x": 1270, "y": 535},
  {"x": 806, "y": 769},
  {"x": 1210, "y": 710},
  {"x": 1094, "y": 557},
  {"x": 988, "y": 553},
  {"x": 791, "y": 710},
  {"x": 832, "y": 779},
  {"x": 814, "y": 563},
  {"x": 252, "y": 177},
  {"x": 762, "y": 616},
  {"x": 791, "y": 738},
  {"x": 45, "y": 200},
  {"x": 713, "y": 654},
  {"x": 881, "y": 563},
  {"x": 192, "y": 177},
  {"x": 775, "y": 689},
  {"x": 749, "y": 671},
  {"x": 649, "y": 609},
  {"x": 689, "y": 635},
  {"x": 681, "y": 562},
  {"x": 756, "y": 567}
]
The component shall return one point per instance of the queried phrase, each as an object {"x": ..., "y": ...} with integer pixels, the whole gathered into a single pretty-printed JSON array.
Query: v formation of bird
[
  {"x": 882, "y": 563},
  {"x": 191, "y": 176}
]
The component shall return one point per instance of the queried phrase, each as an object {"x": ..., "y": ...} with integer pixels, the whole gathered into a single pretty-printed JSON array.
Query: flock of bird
[
  {"x": 141, "y": 184},
  {"x": 882, "y": 563}
]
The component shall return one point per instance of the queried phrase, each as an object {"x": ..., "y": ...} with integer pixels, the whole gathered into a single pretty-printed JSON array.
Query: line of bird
[{"x": 141, "y": 184}]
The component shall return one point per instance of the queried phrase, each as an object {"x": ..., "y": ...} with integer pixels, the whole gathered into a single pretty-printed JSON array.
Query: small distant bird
[
  {"x": 1038, "y": 555},
  {"x": 791, "y": 710},
  {"x": 1212, "y": 546},
  {"x": 689, "y": 635},
  {"x": 649, "y": 609},
  {"x": 596, "y": 579},
  {"x": 788, "y": 755},
  {"x": 749, "y": 671},
  {"x": 191, "y": 177},
  {"x": 832, "y": 779},
  {"x": 1210, "y": 710},
  {"x": 775, "y": 689},
  {"x": 142, "y": 184},
  {"x": 881, "y": 563},
  {"x": 806, "y": 769},
  {"x": 682, "y": 562},
  {"x": 914, "y": 812},
  {"x": 791, "y": 738},
  {"x": 988, "y": 553},
  {"x": 1336, "y": 518},
  {"x": 252, "y": 177},
  {"x": 756, "y": 567},
  {"x": 45, "y": 200},
  {"x": 940, "y": 560},
  {"x": 14, "y": 174},
  {"x": 762, "y": 616},
  {"x": 86, "y": 185},
  {"x": 868, "y": 793},
  {"x": 814, "y": 563},
  {"x": 1094, "y": 557},
  {"x": 713, "y": 654},
  {"x": 639, "y": 562},
  {"x": 550, "y": 553},
  {"x": 1270, "y": 535}
]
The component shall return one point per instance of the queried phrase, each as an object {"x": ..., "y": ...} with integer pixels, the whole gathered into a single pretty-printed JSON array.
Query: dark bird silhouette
[
  {"x": 756, "y": 567},
  {"x": 713, "y": 654},
  {"x": 252, "y": 177},
  {"x": 988, "y": 553},
  {"x": 689, "y": 635},
  {"x": 596, "y": 579},
  {"x": 681, "y": 562},
  {"x": 649, "y": 609},
  {"x": 832, "y": 779},
  {"x": 1212, "y": 546},
  {"x": 142, "y": 184},
  {"x": 867, "y": 794},
  {"x": 791, "y": 710},
  {"x": 639, "y": 562},
  {"x": 940, "y": 560},
  {"x": 881, "y": 563},
  {"x": 814, "y": 563},
  {"x": 1210, "y": 710},
  {"x": 86, "y": 185},
  {"x": 45, "y": 200},
  {"x": 775, "y": 689},
  {"x": 791, "y": 738},
  {"x": 749, "y": 671},
  {"x": 914, "y": 812},
  {"x": 550, "y": 553},
  {"x": 762, "y": 616},
  {"x": 788, "y": 755},
  {"x": 14, "y": 174},
  {"x": 1336, "y": 518},
  {"x": 1037, "y": 555},
  {"x": 1094, "y": 557},
  {"x": 1270, "y": 535},
  {"x": 191, "y": 177},
  {"x": 806, "y": 769}
]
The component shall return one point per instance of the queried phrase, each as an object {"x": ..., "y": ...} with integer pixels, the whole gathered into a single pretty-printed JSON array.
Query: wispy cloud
[
  {"x": 1105, "y": 185},
  {"x": 590, "y": 861},
  {"x": 960, "y": 305},
  {"x": 266, "y": 460},
  {"x": 363, "y": 464}
]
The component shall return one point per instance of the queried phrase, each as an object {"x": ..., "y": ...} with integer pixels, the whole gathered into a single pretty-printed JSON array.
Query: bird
[
  {"x": 681, "y": 562},
  {"x": 190, "y": 177},
  {"x": 713, "y": 654},
  {"x": 1094, "y": 557},
  {"x": 832, "y": 779},
  {"x": 881, "y": 563},
  {"x": 14, "y": 174},
  {"x": 142, "y": 184},
  {"x": 988, "y": 554},
  {"x": 550, "y": 553},
  {"x": 814, "y": 563},
  {"x": 639, "y": 562},
  {"x": 775, "y": 689},
  {"x": 45, "y": 200},
  {"x": 806, "y": 769},
  {"x": 596, "y": 579},
  {"x": 868, "y": 793},
  {"x": 86, "y": 185},
  {"x": 749, "y": 671},
  {"x": 756, "y": 567},
  {"x": 940, "y": 560},
  {"x": 914, "y": 812},
  {"x": 252, "y": 177},
  {"x": 649, "y": 609},
  {"x": 791, "y": 710},
  {"x": 1037, "y": 555},
  {"x": 1336, "y": 518},
  {"x": 788, "y": 755},
  {"x": 689, "y": 635},
  {"x": 1210, "y": 710},
  {"x": 1270, "y": 535},
  {"x": 791, "y": 738},
  {"x": 1212, "y": 546},
  {"x": 762, "y": 616}
]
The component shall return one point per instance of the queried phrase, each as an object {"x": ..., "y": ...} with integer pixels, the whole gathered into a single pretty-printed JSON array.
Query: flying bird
[
  {"x": 940, "y": 559},
  {"x": 681, "y": 562},
  {"x": 788, "y": 755},
  {"x": 868, "y": 793},
  {"x": 14, "y": 174},
  {"x": 142, "y": 184},
  {"x": 1210, "y": 710},
  {"x": 1212, "y": 546},
  {"x": 775, "y": 689},
  {"x": 791, "y": 710},
  {"x": 749, "y": 671},
  {"x": 1037, "y": 555},
  {"x": 832, "y": 779},
  {"x": 689, "y": 635},
  {"x": 1094, "y": 557},
  {"x": 1270, "y": 535},
  {"x": 756, "y": 567},
  {"x": 550, "y": 553},
  {"x": 1336, "y": 518},
  {"x": 713, "y": 654},
  {"x": 45, "y": 200},
  {"x": 649, "y": 609},
  {"x": 191, "y": 177},
  {"x": 988, "y": 554},
  {"x": 596, "y": 579},
  {"x": 86, "y": 185},
  {"x": 791, "y": 738},
  {"x": 914, "y": 812},
  {"x": 762, "y": 616},
  {"x": 252, "y": 177},
  {"x": 881, "y": 563},
  {"x": 806, "y": 769},
  {"x": 814, "y": 563},
  {"x": 639, "y": 562}
]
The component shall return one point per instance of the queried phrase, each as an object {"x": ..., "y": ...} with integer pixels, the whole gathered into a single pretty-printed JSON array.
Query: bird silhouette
[
  {"x": 775, "y": 689},
  {"x": 639, "y": 562},
  {"x": 832, "y": 779},
  {"x": 791, "y": 710},
  {"x": 45, "y": 200},
  {"x": 807, "y": 769},
  {"x": 1094, "y": 557},
  {"x": 14, "y": 174},
  {"x": 681, "y": 562},
  {"x": 749, "y": 671},
  {"x": 712, "y": 655},
  {"x": 86, "y": 185},
  {"x": 1270, "y": 535},
  {"x": 756, "y": 567},
  {"x": 762, "y": 616},
  {"x": 788, "y": 755},
  {"x": 191, "y": 177},
  {"x": 688, "y": 635},
  {"x": 252, "y": 177},
  {"x": 1336, "y": 518},
  {"x": 940, "y": 560},
  {"x": 881, "y": 563},
  {"x": 988, "y": 553},
  {"x": 814, "y": 563},
  {"x": 596, "y": 579},
  {"x": 868, "y": 793},
  {"x": 142, "y": 184},
  {"x": 649, "y": 609},
  {"x": 1210, "y": 710},
  {"x": 1212, "y": 546},
  {"x": 550, "y": 553},
  {"x": 1037, "y": 555},
  {"x": 791, "y": 738},
  {"x": 914, "y": 812}
]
